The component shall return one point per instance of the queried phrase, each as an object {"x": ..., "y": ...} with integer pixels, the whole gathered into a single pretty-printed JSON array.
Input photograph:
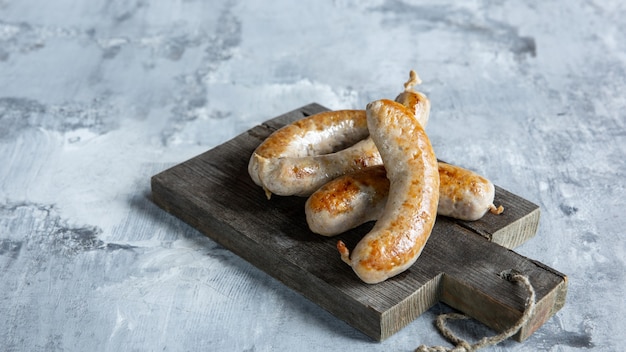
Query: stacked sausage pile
[{"x": 374, "y": 164}]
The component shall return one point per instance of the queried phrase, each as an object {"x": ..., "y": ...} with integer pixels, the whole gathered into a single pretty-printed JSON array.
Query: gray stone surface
[{"x": 97, "y": 96}]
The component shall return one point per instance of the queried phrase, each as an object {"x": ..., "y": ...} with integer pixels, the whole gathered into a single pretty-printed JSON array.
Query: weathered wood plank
[{"x": 460, "y": 264}]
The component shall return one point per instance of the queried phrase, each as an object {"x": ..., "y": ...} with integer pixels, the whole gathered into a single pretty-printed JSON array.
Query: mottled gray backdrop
[{"x": 97, "y": 96}]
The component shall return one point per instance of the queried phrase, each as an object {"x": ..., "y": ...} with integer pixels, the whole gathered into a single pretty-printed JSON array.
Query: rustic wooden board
[{"x": 459, "y": 266}]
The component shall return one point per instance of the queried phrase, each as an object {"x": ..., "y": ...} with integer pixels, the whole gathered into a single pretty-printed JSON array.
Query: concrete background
[{"x": 97, "y": 96}]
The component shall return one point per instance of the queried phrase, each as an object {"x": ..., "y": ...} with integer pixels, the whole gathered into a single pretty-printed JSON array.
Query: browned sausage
[
  {"x": 353, "y": 199},
  {"x": 300, "y": 157},
  {"x": 400, "y": 234}
]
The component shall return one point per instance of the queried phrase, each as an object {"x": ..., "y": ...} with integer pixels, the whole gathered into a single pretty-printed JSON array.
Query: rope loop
[{"x": 463, "y": 346}]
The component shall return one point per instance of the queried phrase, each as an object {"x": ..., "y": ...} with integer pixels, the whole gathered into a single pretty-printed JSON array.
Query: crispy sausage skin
[
  {"x": 348, "y": 201},
  {"x": 302, "y": 156},
  {"x": 356, "y": 198},
  {"x": 464, "y": 194},
  {"x": 401, "y": 232}
]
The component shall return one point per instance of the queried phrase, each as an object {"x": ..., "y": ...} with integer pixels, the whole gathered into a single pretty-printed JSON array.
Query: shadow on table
[{"x": 179, "y": 230}]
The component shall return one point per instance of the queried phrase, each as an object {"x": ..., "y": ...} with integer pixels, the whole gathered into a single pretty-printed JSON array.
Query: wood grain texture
[{"x": 459, "y": 266}]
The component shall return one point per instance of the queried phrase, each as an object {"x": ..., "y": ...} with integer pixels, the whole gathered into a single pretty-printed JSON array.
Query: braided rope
[{"x": 463, "y": 346}]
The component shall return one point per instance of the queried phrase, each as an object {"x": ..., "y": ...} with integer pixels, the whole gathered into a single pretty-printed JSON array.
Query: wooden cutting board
[{"x": 460, "y": 265}]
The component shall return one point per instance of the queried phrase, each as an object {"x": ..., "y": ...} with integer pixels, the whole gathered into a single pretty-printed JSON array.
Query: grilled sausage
[
  {"x": 464, "y": 194},
  {"x": 400, "y": 234},
  {"x": 302, "y": 156},
  {"x": 356, "y": 198},
  {"x": 348, "y": 201}
]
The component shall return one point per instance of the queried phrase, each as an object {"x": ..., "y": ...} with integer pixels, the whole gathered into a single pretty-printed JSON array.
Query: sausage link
[
  {"x": 348, "y": 201},
  {"x": 464, "y": 194},
  {"x": 400, "y": 234},
  {"x": 356, "y": 198},
  {"x": 300, "y": 157}
]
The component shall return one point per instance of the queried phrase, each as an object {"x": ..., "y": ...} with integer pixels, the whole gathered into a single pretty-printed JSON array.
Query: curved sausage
[
  {"x": 401, "y": 232},
  {"x": 348, "y": 201},
  {"x": 302, "y": 156},
  {"x": 356, "y": 198}
]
